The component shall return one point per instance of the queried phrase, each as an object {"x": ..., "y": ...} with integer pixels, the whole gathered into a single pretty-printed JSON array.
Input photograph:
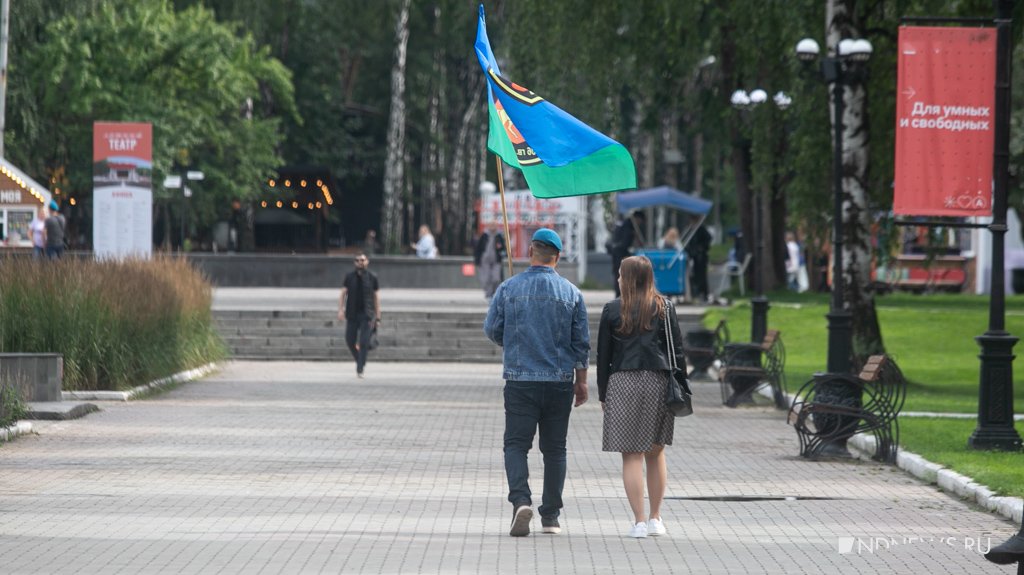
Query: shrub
[
  {"x": 117, "y": 323},
  {"x": 11, "y": 407}
]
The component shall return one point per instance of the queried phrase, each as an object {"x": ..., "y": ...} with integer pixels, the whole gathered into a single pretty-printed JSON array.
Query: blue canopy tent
[
  {"x": 670, "y": 267},
  {"x": 663, "y": 196}
]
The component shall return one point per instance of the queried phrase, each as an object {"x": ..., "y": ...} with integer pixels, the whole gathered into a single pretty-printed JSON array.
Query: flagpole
[{"x": 504, "y": 215}]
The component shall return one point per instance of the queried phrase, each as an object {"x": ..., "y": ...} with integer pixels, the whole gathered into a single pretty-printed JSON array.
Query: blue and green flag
[{"x": 558, "y": 154}]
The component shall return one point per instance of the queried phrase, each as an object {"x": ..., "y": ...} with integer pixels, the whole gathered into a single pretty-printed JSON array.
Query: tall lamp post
[
  {"x": 837, "y": 70},
  {"x": 995, "y": 428},
  {"x": 844, "y": 65},
  {"x": 174, "y": 182},
  {"x": 743, "y": 101}
]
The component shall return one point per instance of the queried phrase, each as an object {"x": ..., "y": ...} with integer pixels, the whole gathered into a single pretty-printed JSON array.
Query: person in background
[
  {"x": 633, "y": 373},
  {"x": 670, "y": 241},
  {"x": 623, "y": 239},
  {"x": 370, "y": 243},
  {"x": 359, "y": 308},
  {"x": 488, "y": 254},
  {"x": 56, "y": 227},
  {"x": 38, "y": 230},
  {"x": 697, "y": 250},
  {"x": 425, "y": 247},
  {"x": 540, "y": 321},
  {"x": 792, "y": 261}
]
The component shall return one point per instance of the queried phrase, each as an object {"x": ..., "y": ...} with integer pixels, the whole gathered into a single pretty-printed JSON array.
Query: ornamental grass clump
[
  {"x": 118, "y": 324},
  {"x": 12, "y": 408}
]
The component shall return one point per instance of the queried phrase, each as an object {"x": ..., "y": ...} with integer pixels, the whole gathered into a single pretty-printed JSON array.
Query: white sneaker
[
  {"x": 638, "y": 531},
  {"x": 655, "y": 527}
]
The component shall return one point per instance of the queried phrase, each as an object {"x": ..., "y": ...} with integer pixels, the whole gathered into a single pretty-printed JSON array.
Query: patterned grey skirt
[{"x": 635, "y": 415}]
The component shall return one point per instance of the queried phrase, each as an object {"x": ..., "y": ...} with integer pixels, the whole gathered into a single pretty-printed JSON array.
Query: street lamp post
[
  {"x": 836, "y": 385},
  {"x": 835, "y": 70},
  {"x": 995, "y": 428},
  {"x": 741, "y": 100},
  {"x": 175, "y": 182},
  {"x": 186, "y": 193}
]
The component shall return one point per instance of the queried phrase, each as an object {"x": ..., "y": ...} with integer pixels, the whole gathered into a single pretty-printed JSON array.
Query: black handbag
[{"x": 678, "y": 397}]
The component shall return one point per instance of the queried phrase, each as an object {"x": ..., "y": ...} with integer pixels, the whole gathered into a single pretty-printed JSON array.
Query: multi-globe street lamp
[
  {"x": 843, "y": 67},
  {"x": 741, "y": 100},
  {"x": 838, "y": 70}
]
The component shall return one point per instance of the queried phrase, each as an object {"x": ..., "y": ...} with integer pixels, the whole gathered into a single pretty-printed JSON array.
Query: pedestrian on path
[
  {"x": 38, "y": 230},
  {"x": 359, "y": 308},
  {"x": 488, "y": 253},
  {"x": 697, "y": 250},
  {"x": 633, "y": 372},
  {"x": 55, "y": 229},
  {"x": 540, "y": 321},
  {"x": 624, "y": 238}
]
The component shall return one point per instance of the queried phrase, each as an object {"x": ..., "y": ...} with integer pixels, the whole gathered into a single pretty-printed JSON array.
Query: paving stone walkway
[{"x": 302, "y": 468}]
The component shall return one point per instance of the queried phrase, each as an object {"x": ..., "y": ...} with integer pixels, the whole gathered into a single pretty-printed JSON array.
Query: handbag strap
[{"x": 669, "y": 343}]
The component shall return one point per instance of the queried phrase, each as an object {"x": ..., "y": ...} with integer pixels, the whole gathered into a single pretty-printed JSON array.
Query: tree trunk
[
  {"x": 740, "y": 156},
  {"x": 457, "y": 188},
  {"x": 394, "y": 168},
  {"x": 867, "y": 335},
  {"x": 437, "y": 206}
]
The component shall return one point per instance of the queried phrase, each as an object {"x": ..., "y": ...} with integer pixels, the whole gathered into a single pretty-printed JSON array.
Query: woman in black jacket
[{"x": 633, "y": 372}]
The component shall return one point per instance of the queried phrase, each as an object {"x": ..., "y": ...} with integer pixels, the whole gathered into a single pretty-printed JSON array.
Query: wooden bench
[
  {"x": 747, "y": 367},
  {"x": 870, "y": 403},
  {"x": 703, "y": 347}
]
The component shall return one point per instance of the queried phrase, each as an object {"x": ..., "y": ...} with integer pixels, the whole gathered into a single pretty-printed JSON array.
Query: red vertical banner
[{"x": 945, "y": 121}]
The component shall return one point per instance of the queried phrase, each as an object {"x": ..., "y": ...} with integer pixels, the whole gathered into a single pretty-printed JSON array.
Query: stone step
[{"x": 403, "y": 335}]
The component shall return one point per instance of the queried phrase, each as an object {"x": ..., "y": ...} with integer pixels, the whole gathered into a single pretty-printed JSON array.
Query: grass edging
[
  {"x": 180, "y": 377},
  {"x": 949, "y": 481},
  {"x": 946, "y": 479}
]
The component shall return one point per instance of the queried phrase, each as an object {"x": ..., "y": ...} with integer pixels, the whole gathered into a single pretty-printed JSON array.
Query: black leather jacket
[{"x": 645, "y": 350}]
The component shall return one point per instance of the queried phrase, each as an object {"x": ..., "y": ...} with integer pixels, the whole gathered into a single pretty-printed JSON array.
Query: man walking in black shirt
[{"x": 359, "y": 308}]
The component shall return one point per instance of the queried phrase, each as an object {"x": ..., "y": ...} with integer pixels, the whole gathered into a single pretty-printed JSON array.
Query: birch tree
[
  {"x": 867, "y": 336},
  {"x": 394, "y": 167}
]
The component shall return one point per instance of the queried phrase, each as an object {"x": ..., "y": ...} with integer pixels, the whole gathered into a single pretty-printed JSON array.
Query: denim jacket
[{"x": 539, "y": 318}]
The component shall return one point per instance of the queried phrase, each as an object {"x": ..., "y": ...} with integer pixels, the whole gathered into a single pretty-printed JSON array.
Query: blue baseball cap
[
  {"x": 549, "y": 237},
  {"x": 54, "y": 206}
]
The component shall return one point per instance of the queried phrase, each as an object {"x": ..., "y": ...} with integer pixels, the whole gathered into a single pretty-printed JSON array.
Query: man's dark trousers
[
  {"x": 358, "y": 329},
  {"x": 529, "y": 405}
]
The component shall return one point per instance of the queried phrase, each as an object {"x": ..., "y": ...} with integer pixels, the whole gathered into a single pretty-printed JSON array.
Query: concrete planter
[{"x": 38, "y": 375}]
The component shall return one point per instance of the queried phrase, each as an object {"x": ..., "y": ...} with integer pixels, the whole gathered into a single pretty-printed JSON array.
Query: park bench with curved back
[
  {"x": 703, "y": 347},
  {"x": 747, "y": 368},
  {"x": 819, "y": 419}
]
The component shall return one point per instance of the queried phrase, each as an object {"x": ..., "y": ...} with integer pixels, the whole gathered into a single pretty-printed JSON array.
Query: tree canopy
[
  {"x": 215, "y": 99},
  {"x": 654, "y": 74}
]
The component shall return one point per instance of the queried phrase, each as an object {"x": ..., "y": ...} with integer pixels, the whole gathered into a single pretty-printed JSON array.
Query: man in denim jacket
[{"x": 539, "y": 318}]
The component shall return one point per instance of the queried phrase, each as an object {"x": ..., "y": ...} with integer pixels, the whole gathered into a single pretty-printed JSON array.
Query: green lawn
[
  {"x": 943, "y": 441},
  {"x": 932, "y": 339}
]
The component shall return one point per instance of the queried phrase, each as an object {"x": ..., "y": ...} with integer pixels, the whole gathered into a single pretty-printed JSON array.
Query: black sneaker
[
  {"x": 550, "y": 525},
  {"x": 521, "y": 521}
]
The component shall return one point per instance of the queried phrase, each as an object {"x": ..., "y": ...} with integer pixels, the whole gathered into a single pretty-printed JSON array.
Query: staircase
[{"x": 406, "y": 335}]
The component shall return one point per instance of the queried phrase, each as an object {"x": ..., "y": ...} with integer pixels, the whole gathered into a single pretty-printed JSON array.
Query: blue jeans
[
  {"x": 54, "y": 252},
  {"x": 529, "y": 405}
]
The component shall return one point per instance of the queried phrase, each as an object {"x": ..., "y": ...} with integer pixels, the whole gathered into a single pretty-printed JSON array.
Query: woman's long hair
[{"x": 641, "y": 302}]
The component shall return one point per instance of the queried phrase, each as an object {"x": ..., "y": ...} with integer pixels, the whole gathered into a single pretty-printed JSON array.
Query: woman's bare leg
[
  {"x": 633, "y": 479},
  {"x": 657, "y": 477}
]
